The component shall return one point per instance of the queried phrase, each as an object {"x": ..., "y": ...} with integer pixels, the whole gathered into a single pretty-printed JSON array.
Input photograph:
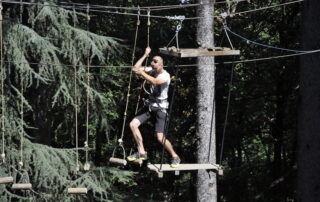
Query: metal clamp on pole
[
  {"x": 179, "y": 26},
  {"x": 224, "y": 16},
  {"x": 225, "y": 27},
  {"x": 176, "y": 17},
  {"x": 181, "y": 18}
]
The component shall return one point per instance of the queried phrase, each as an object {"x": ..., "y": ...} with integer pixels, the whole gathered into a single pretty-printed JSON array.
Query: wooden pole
[{"x": 206, "y": 180}]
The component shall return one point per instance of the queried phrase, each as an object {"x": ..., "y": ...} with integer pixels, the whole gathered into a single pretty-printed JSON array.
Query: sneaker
[
  {"x": 175, "y": 162},
  {"x": 137, "y": 156}
]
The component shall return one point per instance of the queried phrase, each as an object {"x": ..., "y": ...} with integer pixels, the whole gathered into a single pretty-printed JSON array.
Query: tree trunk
[
  {"x": 206, "y": 180},
  {"x": 308, "y": 178}
]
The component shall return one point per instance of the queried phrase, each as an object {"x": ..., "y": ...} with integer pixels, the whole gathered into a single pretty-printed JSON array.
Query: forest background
[{"x": 41, "y": 44}]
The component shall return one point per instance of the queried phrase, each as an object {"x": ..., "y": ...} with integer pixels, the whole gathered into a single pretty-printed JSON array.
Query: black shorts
[{"x": 154, "y": 113}]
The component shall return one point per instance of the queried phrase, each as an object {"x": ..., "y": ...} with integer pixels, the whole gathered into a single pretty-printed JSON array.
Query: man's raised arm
[{"x": 138, "y": 64}]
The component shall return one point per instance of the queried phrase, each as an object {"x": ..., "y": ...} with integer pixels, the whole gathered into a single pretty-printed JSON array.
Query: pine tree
[{"x": 40, "y": 54}]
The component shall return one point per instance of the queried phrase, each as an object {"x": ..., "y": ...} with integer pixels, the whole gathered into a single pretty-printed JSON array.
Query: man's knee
[
  {"x": 134, "y": 124},
  {"x": 160, "y": 137}
]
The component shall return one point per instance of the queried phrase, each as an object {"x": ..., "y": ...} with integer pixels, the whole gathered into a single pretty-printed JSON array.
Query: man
[{"x": 155, "y": 108}]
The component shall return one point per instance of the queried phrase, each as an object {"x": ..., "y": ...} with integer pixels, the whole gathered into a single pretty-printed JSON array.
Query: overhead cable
[
  {"x": 152, "y": 8},
  {"x": 95, "y": 8},
  {"x": 267, "y": 7},
  {"x": 266, "y": 45},
  {"x": 185, "y": 65}
]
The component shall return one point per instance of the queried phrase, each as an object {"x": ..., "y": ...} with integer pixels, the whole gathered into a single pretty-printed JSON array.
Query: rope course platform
[
  {"x": 184, "y": 167},
  {"x": 6, "y": 180},
  {"x": 118, "y": 161},
  {"x": 77, "y": 190},
  {"x": 22, "y": 186},
  {"x": 198, "y": 52}
]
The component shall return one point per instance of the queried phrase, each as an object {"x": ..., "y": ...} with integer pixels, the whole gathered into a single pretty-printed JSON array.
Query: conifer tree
[{"x": 40, "y": 50}]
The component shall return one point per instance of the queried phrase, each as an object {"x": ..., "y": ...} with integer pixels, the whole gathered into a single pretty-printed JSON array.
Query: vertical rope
[
  {"x": 120, "y": 141},
  {"x": 149, "y": 23},
  {"x": 75, "y": 96},
  {"x": 146, "y": 61},
  {"x": 212, "y": 120},
  {"x": 21, "y": 121},
  {"x": 130, "y": 79},
  {"x": 21, "y": 109},
  {"x": 229, "y": 97},
  {"x": 2, "y": 86},
  {"x": 87, "y": 166},
  {"x": 227, "y": 113},
  {"x": 21, "y": 11},
  {"x": 168, "y": 115}
]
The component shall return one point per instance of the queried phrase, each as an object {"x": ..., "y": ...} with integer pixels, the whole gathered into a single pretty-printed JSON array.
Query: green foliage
[
  {"x": 42, "y": 53},
  {"x": 262, "y": 117},
  {"x": 51, "y": 171}
]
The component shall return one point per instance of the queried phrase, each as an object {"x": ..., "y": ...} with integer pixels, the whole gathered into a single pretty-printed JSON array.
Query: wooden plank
[
  {"x": 25, "y": 186},
  {"x": 166, "y": 167},
  {"x": 6, "y": 180},
  {"x": 171, "y": 52},
  {"x": 159, "y": 173},
  {"x": 198, "y": 52},
  {"x": 118, "y": 161},
  {"x": 77, "y": 190}
]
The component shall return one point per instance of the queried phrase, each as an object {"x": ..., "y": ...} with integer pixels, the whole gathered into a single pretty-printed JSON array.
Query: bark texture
[
  {"x": 308, "y": 178},
  {"x": 206, "y": 180}
]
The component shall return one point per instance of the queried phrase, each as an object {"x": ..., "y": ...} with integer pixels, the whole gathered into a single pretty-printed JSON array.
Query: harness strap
[{"x": 149, "y": 102}]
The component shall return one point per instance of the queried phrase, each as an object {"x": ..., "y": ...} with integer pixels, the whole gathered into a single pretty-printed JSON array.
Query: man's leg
[
  {"x": 134, "y": 126},
  {"x": 167, "y": 144},
  {"x": 160, "y": 128}
]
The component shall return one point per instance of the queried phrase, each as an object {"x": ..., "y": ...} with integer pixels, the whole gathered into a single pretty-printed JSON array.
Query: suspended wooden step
[
  {"x": 77, "y": 190},
  {"x": 198, "y": 52},
  {"x": 22, "y": 186},
  {"x": 6, "y": 180},
  {"x": 118, "y": 161},
  {"x": 184, "y": 167}
]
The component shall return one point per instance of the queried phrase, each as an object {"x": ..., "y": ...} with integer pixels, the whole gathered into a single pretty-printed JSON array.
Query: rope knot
[
  {"x": 88, "y": 11},
  {"x": 139, "y": 10},
  {"x": 86, "y": 166},
  {"x": 1, "y": 8},
  {"x": 3, "y": 157},
  {"x": 20, "y": 165},
  {"x": 149, "y": 22}
]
